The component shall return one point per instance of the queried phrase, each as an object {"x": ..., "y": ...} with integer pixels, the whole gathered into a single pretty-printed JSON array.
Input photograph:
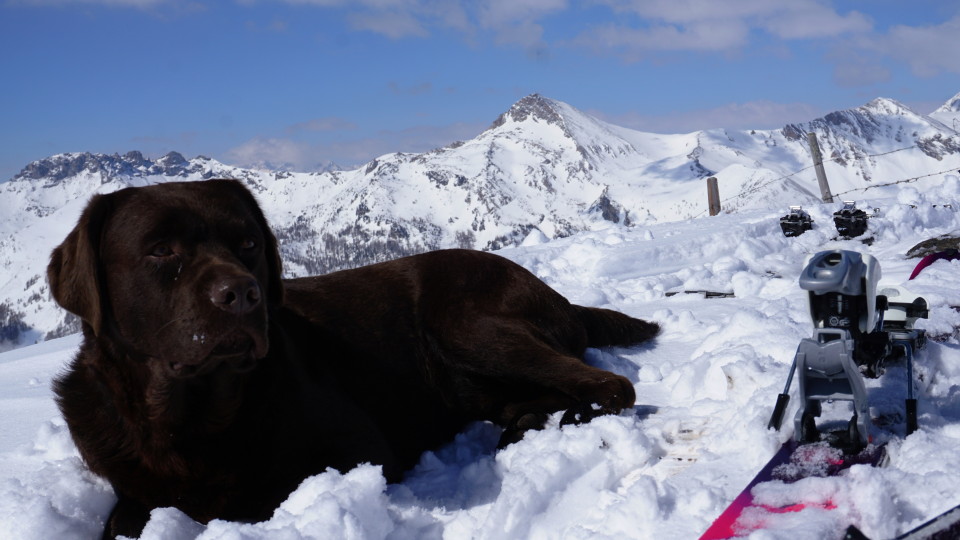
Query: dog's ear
[
  {"x": 74, "y": 272},
  {"x": 270, "y": 249}
]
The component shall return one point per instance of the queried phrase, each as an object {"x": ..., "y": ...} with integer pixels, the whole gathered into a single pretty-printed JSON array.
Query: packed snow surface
[{"x": 662, "y": 470}]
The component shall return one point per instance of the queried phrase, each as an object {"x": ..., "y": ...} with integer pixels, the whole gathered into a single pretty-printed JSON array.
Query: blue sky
[{"x": 303, "y": 82}]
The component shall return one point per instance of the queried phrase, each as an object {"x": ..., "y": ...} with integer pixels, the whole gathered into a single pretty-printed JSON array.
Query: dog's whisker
[{"x": 169, "y": 323}]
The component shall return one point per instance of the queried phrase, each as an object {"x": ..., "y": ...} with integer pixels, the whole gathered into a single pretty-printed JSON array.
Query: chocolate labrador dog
[{"x": 208, "y": 383}]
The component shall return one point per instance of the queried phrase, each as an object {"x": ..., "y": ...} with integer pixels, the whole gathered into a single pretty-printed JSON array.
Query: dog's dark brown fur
[{"x": 207, "y": 383}]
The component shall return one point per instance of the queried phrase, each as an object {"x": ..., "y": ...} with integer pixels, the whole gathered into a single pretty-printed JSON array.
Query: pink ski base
[{"x": 725, "y": 526}]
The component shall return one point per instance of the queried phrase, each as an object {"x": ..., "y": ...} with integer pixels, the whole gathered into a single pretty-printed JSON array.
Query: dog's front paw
[
  {"x": 519, "y": 425},
  {"x": 607, "y": 395}
]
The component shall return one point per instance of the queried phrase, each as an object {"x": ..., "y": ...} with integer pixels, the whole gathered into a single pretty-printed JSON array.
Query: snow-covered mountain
[
  {"x": 949, "y": 109},
  {"x": 542, "y": 170}
]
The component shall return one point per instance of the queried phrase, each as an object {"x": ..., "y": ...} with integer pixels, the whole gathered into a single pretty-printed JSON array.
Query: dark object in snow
[
  {"x": 899, "y": 324},
  {"x": 850, "y": 221},
  {"x": 797, "y": 222},
  {"x": 791, "y": 463},
  {"x": 208, "y": 383},
  {"x": 933, "y": 245},
  {"x": 704, "y": 293},
  {"x": 850, "y": 340},
  {"x": 853, "y": 533},
  {"x": 945, "y": 255}
]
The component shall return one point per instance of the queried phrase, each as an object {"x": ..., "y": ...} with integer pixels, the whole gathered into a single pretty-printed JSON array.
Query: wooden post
[
  {"x": 713, "y": 196},
  {"x": 818, "y": 165}
]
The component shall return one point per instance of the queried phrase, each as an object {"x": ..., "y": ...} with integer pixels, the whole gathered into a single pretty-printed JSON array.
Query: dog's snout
[{"x": 238, "y": 295}]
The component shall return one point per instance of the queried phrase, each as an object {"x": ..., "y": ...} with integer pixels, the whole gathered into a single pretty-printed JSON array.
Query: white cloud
[
  {"x": 500, "y": 12},
  {"x": 751, "y": 115},
  {"x": 391, "y": 24},
  {"x": 928, "y": 50},
  {"x": 853, "y": 68},
  {"x": 347, "y": 153},
  {"x": 268, "y": 152},
  {"x": 811, "y": 21},
  {"x": 652, "y": 26},
  {"x": 863, "y": 60},
  {"x": 790, "y": 20},
  {"x": 636, "y": 43},
  {"x": 687, "y": 11},
  {"x": 633, "y": 29},
  {"x": 398, "y": 18},
  {"x": 514, "y": 22}
]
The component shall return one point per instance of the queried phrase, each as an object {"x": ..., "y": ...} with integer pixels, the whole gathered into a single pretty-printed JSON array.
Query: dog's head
[{"x": 181, "y": 274}]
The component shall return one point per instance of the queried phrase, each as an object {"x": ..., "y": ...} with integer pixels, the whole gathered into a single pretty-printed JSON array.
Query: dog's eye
[
  {"x": 162, "y": 251},
  {"x": 248, "y": 244}
]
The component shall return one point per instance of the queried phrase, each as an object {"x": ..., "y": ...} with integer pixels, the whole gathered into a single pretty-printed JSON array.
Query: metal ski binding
[
  {"x": 846, "y": 314},
  {"x": 850, "y": 220},
  {"x": 797, "y": 222},
  {"x": 903, "y": 310}
]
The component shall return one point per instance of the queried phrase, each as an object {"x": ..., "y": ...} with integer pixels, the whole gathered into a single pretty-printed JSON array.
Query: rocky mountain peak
[
  {"x": 864, "y": 124},
  {"x": 951, "y": 106},
  {"x": 62, "y": 166},
  {"x": 533, "y": 107},
  {"x": 135, "y": 158},
  {"x": 171, "y": 159},
  {"x": 886, "y": 106},
  {"x": 593, "y": 139}
]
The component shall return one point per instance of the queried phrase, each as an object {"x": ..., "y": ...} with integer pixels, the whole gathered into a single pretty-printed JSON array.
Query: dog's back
[{"x": 486, "y": 339}]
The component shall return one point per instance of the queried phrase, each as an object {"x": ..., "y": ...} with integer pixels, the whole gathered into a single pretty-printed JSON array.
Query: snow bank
[{"x": 663, "y": 470}]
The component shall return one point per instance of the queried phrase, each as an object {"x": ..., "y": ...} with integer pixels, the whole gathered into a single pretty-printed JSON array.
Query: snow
[{"x": 663, "y": 470}]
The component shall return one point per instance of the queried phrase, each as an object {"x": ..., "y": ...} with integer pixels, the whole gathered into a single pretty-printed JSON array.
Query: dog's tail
[{"x": 607, "y": 328}]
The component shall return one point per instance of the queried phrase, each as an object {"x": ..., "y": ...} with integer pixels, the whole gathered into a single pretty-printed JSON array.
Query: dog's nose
[{"x": 238, "y": 295}]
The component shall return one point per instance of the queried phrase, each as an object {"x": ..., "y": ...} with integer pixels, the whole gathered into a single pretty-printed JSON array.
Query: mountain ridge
[{"x": 541, "y": 170}]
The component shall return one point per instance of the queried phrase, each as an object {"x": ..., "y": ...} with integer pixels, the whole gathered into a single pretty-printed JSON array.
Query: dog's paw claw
[
  {"x": 612, "y": 394},
  {"x": 521, "y": 424}
]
